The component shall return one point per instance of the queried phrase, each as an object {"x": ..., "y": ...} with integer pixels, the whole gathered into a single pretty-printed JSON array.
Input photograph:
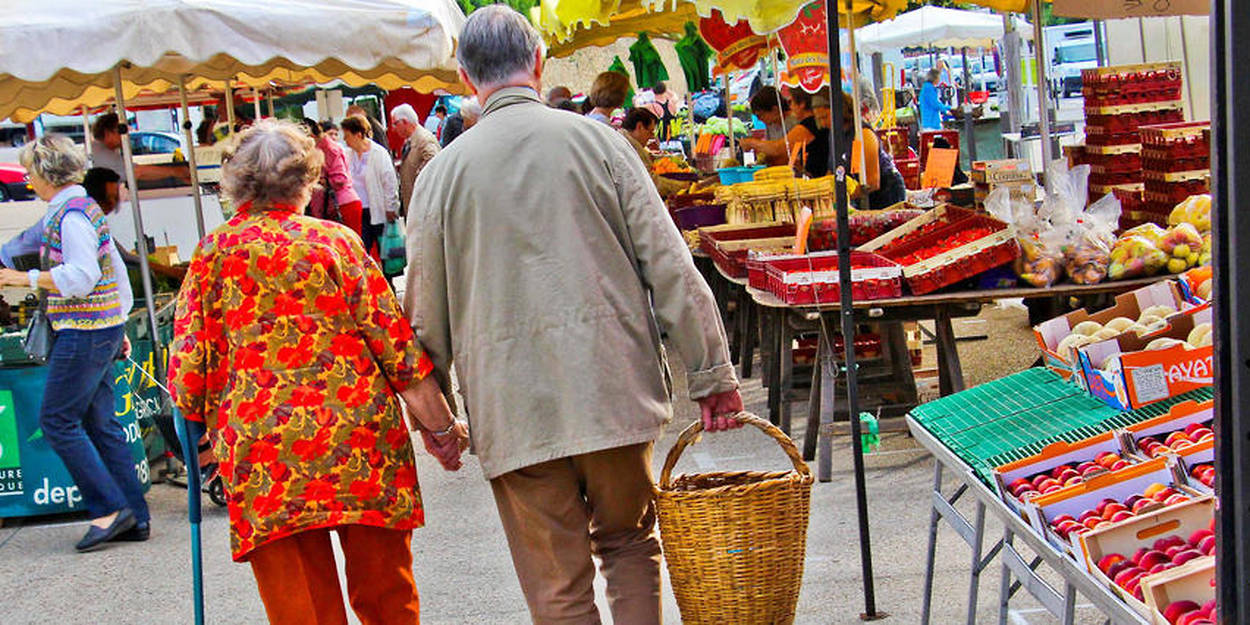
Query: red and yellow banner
[{"x": 737, "y": 46}]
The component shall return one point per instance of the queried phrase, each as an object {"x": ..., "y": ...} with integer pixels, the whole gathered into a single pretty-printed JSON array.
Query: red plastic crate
[
  {"x": 958, "y": 263},
  {"x": 927, "y": 137},
  {"x": 731, "y": 261},
  {"x": 813, "y": 279},
  {"x": 934, "y": 220}
]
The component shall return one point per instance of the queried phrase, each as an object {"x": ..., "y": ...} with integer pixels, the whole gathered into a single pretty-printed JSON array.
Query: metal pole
[
  {"x": 229, "y": 108},
  {"x": 1043, "y": 87},
  {"x": 195, "y": 174},
  {"x": 1230, "y": 164},
  {"x": 1014, "y": 77},
  {"x": 86, "y": 134},
  {"x": 860, "y": 156},
  {"x": 839, "y": 167},
  {"x": 729, "y": 113},
  {"x": 272, "y": 111},
  {"x": 255, "y": 104},
  {"x": 969, "y": 127},
  {"x": 141, "y": 244},
  {"x": 1100, "y": 43}
]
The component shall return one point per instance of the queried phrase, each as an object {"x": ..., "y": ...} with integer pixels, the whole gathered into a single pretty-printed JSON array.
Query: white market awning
[
  {"x": 936, "y": 27},
  {"x": 58, "y": 55}
]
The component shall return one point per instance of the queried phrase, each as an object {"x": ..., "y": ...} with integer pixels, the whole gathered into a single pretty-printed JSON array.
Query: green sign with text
[{"x": 10, "y": 453}]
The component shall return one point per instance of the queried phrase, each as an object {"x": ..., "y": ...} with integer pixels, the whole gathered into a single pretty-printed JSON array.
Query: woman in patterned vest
[
  {"x": 88, "y": 297},
  {"x": 290, "y": 347}
]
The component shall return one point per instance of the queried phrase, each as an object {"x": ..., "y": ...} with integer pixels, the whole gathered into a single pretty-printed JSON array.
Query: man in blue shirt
[{"x": 931, "y": 107}]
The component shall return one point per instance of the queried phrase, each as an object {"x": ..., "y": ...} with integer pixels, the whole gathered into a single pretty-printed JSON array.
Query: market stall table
[{"x": 781, "y": 321}]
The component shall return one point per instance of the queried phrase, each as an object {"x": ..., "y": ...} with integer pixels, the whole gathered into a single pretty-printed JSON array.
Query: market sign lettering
[
  {"x": 10, "y": 455},
  {"x": 1191, "y": 372}
]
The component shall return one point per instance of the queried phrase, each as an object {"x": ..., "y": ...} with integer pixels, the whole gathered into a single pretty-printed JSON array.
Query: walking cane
[{"x": 189, "y": 435}]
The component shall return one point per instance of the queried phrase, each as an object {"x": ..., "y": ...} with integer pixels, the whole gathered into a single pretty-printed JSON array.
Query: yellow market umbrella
[{"x": 568, "y": 25}]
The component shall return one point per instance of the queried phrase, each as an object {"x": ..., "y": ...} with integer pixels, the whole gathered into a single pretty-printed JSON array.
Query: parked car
[
  {"x": 144, "y": 142},
  {"x": 14, "y": 186},
  {"x": 1071, "y": 57}
]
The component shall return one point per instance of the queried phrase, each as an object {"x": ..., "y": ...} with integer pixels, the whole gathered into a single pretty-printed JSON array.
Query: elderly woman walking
[
  {"x": 290, "y": 346},
  {"x": 87, "y": 300},
  {"x": 373, "y": 176}
]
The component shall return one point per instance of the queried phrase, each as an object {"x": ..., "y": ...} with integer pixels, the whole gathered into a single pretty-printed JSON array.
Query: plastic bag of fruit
[
  {"x": 1184, "y": 247},
  {"x": 1152, "y": 232},
  {"x": 1041, "y": 258},
  {"x": 1196, "y": 210},
  {"x": 1135, "y": 256},
  {"x": 1087, "y": 258}
]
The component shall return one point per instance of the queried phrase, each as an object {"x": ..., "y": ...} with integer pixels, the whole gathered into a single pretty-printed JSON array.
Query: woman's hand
[
  {"x": 10, "y": 277},
  {"x": 428, "y": 412}
]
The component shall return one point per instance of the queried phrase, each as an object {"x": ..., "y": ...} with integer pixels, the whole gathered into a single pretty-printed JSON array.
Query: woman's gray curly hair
[
  {"x": 272, "y": 162},
  {"x": 55, "y": 159}
]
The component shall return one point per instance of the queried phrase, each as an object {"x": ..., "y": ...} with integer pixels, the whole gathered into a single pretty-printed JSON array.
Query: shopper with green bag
[{"x": 393, "y": 252}]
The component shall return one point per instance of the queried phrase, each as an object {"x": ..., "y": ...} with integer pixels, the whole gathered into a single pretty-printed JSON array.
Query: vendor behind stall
[
  {"x": 639, "y": 129},
  {"x": 807, "y": 141},
  {"x": 771, "y": 108},
  {"x": 879, "y": 178}
]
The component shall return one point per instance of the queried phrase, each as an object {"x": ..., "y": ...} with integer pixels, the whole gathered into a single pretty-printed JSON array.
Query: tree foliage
[{"x": 522, "y": 6}]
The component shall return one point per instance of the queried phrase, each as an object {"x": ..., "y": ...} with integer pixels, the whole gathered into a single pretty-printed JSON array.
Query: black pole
[
  {"x": 838, "y": 165},
  {"x": 1230, "y": 163},
  {"x": 966, "y": 105}
]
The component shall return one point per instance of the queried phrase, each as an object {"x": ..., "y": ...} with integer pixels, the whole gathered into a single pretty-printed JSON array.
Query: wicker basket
[{"x": 735, "y": 541}]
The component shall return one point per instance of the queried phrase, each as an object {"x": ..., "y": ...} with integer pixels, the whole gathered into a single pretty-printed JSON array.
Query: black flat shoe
[
  {"x": 96, "y": 536},
  {"x": 137, "y": 534}
]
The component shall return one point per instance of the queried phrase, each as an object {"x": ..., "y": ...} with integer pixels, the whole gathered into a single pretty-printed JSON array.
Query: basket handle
[{"x": 691, "y": 434}]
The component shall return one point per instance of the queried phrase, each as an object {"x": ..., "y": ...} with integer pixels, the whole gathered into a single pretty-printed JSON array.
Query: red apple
[
  {"x": 1137, "y": 555},
  {"x": 1073, "y": 481},
  {"x": 1106, "y": 457},
  {"x": 1117, "y": 567},
  {"x": 1176, "y": 609},
  {"x": 1152, "y": 558},
  {"x": 1132, "y": 501},
  {"x": 1105, "y": 562},
  {"x": 1132, "y": 572},
  {"x": 1117, "y": 465},
  {"x": 1170, "y": 541},
  {"x": 1189, "y": 429},
  {"x": 1145, "y": 505},
  {"x": 1186, "y": 556},
  {"x": 1110, "y": 509},
  {"x": 1092, "y": 470},
  {"x": 1121, "y": 515},
  {"x": 1175, "y": 498},
  {"x": 1058, "y": 471},
  {"x": 1206, "y": 545},
  {"x": 1175, "y": 437},
  {"x": 1198, "y": 535}
]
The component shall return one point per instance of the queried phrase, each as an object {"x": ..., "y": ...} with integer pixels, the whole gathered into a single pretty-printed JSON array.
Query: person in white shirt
[
  {"x": 373, "y": 177},
  {"x": 106, "y": 144}
]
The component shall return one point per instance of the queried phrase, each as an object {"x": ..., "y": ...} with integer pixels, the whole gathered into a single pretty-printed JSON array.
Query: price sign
[{"x": 1108, "y": 9}]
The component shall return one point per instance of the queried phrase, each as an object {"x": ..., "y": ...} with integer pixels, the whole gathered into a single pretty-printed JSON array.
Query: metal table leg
[
  {"x": 786, "y": 382},
  {"x": 750, "y": 328},
  {"x": 777, "y": 322},
  {"x": 739, "y": 324},
  {"x": 816, "y": 401},
  {"x": 934, "y": 515},
  {"x": 823, "y": 434},
  {"x": 974, "y": 581},
  {"x": 1005, "y": 589},
  {"x": 950, "y": 372}
]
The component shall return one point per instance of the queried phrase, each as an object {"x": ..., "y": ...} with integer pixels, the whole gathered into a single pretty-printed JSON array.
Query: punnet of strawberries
[{"x": 961, "y": 238}]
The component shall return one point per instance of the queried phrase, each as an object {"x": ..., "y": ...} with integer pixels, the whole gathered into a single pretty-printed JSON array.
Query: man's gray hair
[
  {"x": 406, "y": 113},
  {"x": 470, "y": 108},
  {"x": 495, "y": 44},
  {"x": 54, "y": 158}
]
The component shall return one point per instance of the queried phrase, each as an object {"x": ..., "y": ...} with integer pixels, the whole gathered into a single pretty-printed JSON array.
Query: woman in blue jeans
[{"x": 88, "y": 298}]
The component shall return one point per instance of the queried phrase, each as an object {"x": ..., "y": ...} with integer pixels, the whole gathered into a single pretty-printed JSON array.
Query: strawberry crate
[
  {"x": 864, "y": 226},
  {"x": 934, "y": 219},
  {"x": 727, "y": 245},
  {"x": 1131, "y": 122},
  {"x": 954, "y": 253},
  {"x": 814, "y": 279}
]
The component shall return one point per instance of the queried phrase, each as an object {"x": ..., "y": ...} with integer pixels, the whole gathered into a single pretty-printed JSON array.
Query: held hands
[
  {"x": 717, "y": 410},
  {"x": 428, "y": 412},
  {"x": 391, "y": 216}
]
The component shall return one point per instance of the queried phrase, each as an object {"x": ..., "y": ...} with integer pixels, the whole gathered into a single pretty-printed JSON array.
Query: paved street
[{"x": 462, "y": 566}]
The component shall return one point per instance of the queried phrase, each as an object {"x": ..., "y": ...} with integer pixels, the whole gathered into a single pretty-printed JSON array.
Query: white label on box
[{"x": 1151, "y": 383}]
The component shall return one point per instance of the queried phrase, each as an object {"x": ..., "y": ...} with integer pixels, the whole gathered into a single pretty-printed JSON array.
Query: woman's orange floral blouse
[{"x": 290, "y": 345}]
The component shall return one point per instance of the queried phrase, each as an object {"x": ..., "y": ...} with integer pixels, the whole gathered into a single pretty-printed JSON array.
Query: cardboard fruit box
[
  {"x": 1142, "y": 531},
  {"x": 1007, "y": 170},
  {"x": 1135, "y": 376},
  {"x": 1053, "y": 456},
  {"x": 1195, "y": 581},
  {"x": 1050, "y": 333},
  {"x": 1117, "y": 485}
]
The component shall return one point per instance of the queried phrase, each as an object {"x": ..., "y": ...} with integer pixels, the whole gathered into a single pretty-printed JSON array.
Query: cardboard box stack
[
  {"x": 1015, "y": 174},
  {"x": 1119, "y": 100}
]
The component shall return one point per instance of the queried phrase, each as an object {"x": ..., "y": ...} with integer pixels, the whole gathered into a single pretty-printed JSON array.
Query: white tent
[
  {"x": 75, "y": 54},
  {"x": 56, "y": 55},
  {"x": 936, "y": 27}
]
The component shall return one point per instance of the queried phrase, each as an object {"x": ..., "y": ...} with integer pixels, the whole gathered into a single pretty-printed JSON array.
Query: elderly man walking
[
  {"x": 420, "y": 146},
  {"x": 544, "y": 266}
]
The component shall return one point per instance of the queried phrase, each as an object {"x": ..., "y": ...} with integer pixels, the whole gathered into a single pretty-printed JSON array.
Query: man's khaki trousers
[{"x": 558, "y": 513}]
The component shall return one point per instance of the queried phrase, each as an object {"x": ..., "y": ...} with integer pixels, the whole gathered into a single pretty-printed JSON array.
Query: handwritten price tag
[{"x": 1130, "y": 8}]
